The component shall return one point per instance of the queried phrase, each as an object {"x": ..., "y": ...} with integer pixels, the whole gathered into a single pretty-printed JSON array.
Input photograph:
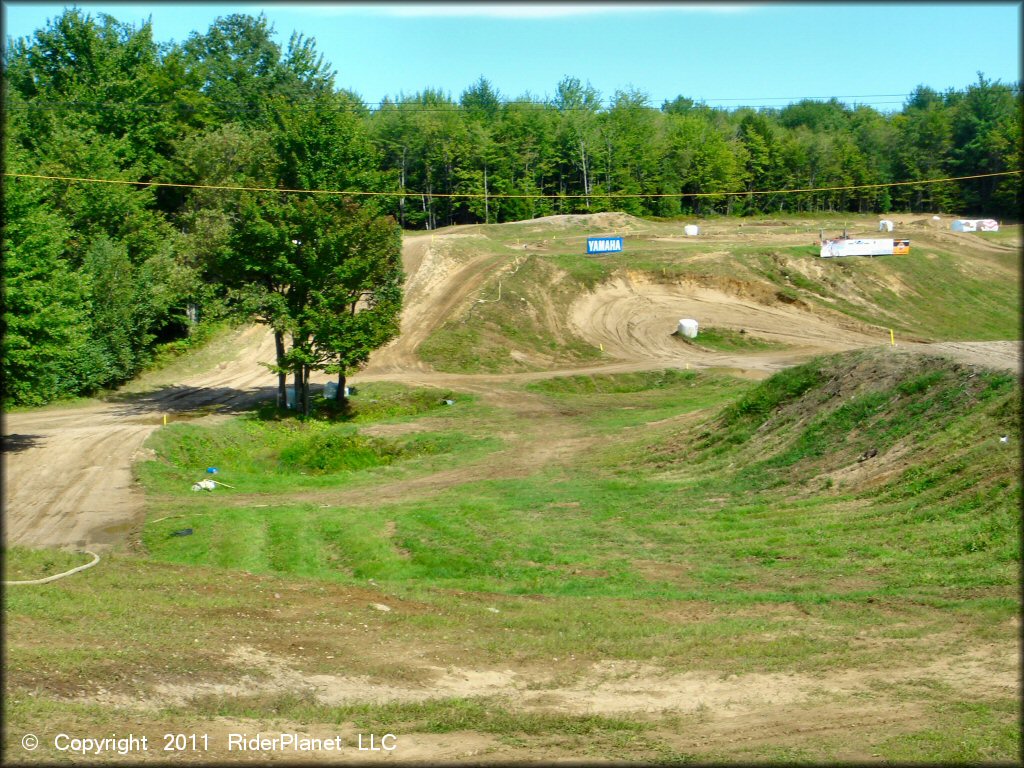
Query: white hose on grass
[{"x": 96, "y": 559}]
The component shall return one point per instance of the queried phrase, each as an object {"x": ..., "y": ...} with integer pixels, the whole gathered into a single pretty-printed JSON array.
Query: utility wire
[{"x": 504, "y": 196}]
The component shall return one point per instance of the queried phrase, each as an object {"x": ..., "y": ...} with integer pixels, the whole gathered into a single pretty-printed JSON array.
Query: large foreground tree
[{"x": 324, "y": 273}]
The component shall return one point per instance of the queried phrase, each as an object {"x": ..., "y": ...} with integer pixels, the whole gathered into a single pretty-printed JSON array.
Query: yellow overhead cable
[{"x": 407, "y": 193}]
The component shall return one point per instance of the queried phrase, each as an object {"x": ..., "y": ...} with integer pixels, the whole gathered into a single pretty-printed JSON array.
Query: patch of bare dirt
[
  {"x": 998, "y": 355},
  {"x": 806, "y": 724},
  {"x": 612, "y": 688},
  {"x": 439, "y": 285},
  {"x": 656, "y": 570}
]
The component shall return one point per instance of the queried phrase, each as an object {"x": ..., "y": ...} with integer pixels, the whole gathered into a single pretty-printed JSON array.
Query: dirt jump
[{"x": 67, "y": 469}]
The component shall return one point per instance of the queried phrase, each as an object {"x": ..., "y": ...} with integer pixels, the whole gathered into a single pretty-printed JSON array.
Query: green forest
[{"x": 97, "y": 276}]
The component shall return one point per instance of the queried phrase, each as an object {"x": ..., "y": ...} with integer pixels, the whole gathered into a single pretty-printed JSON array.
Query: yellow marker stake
[
  {"x": 892, "y": 339},
  {"x": 602, "y": 347},
  {"x": 165, "y": 419}
]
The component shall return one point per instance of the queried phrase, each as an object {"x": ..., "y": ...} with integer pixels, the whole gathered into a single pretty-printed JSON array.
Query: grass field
[{"x": 717, "y": 533}]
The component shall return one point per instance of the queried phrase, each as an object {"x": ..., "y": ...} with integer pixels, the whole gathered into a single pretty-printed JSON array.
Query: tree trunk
[
  {"x": 608, "y": 166},
  {"x": 429, "y": 202},
  {"x": 282, "y": 377},
  {"x": 305, "y": 390},
  {"x": 340, "y": 394},
  {"x": 302, "y": 404},
  {"x": 301, "y": 374}
]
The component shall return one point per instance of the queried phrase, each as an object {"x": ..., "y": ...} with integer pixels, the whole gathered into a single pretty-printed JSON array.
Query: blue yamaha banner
[{"x": 604, "y": 244}]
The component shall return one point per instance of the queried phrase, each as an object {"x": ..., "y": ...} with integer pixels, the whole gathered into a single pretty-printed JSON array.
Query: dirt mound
[
  {"x": 862, "y": 418},
  {"x": 439, "y": 283},
  {"x": 590, "y": 221},
  {"x": 998, "y": 355}
]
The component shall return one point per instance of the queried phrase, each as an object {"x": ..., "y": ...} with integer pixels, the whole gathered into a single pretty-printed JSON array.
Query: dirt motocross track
[{"x": 68, "y": 479}]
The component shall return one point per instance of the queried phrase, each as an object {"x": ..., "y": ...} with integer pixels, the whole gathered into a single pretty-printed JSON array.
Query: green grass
[
  {"x": 728, "y": 340},
  {"x": 930, "y": 293},
  {"x": 608, "y": 403},
  {"x": 1008, "y": 234},
  {"x": 24, "y": 564},
  {"x": 736, "y": 502},
  {"x": 443, "y": 715},
  {"x": 965, "y": 732},
  {"x": 271, "y": 452},
  {"x": 382, "y": 401}
]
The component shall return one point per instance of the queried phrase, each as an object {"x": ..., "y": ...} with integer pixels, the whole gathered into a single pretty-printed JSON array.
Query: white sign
[{"x": 604, "y": 244}]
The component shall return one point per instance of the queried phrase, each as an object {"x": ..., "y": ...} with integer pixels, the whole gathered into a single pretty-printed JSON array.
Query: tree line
[{"x": 96, "y": 274}]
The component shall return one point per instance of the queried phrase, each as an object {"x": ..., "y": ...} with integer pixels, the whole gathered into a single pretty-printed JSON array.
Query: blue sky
[{"x": 726, "y": 54}]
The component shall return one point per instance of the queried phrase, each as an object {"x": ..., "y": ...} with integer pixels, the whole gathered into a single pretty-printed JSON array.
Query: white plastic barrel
[
  {"x": 691, "y": 230},
  {"x": 688, "y": 328}
]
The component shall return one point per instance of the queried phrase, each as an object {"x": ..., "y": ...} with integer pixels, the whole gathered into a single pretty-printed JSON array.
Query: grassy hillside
[{"x": 879, "y": 468}]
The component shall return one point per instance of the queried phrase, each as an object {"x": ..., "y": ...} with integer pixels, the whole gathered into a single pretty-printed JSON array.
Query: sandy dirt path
[{"x": 67, "y": 470}]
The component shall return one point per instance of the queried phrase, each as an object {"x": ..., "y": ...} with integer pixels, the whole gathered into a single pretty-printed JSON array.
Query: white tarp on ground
[
  {"x": 688, "y": 328},
  {"x": 974, "y": 225},
  {"x": 885, "y": 226},
  {"x": 831, "y": 249},
  {"x": 331, "y": 390},
  {"x": 691, "y": 230}
]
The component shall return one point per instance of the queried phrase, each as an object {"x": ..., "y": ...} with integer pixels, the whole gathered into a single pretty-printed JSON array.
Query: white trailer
[
  {"x": 831, "y": 249},
  {"x": 974, "y": 225}
]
